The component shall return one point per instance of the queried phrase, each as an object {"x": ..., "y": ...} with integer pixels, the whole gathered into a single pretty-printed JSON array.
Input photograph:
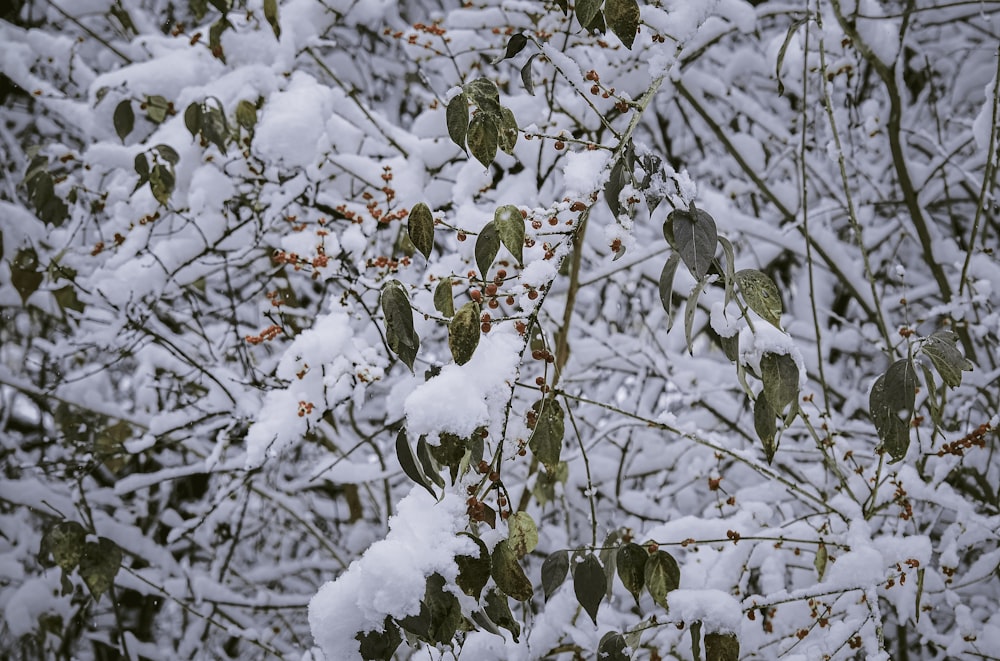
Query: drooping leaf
[
  {"x": 891, "y": 406},
  {"x": 663, "y": 575},
  {"x": 271, "y": 16},
  {"x": 380, "y": 645},
  {"x": 444, "y": 611},
  {"x": 764, "y": 423},
  {"x": 523, "y": 535},
  {"x": 192, "y": 119},
  {"x": 25, "y": 273},
  {"x": 408, "y": 462},
  {"x": 597, "y": 25},
  {"x": 123, "y": 119},
  {"x": 631, "y": 561},
  {"x": 821, "y": 559},
  {"x": 586, "y": 10},
  {"x": 246, "y": 114},
  {"x": 473, "y": 572},
  {"x": 550, "y": 427},
  {"x": 666, "y": 286},
  {"x": 400, "y": 334},
  {"x": 507, "y": 135},
  {"x": 690, "y": 307},
  {"x": 529, "y": 85},
  {"x": 487, "y": 247},
  {"x": 760, "y": 294},
  {"x": 508, "y": 574},
  {"x": 484, "y": 136},
  {"x": 616, "y": 181},
  {"x": 463, "y": 332},
  {"x": 509, "y": 224},
  {"x": 780, "y": 375},
  {"x": 623, "y": 19},
  {"x": 214, "y": 127},
  {"x": 99, "y": 565},
  {"x": 949, "y": 362},
  {"x": 161, "y": 183},
  {"x": 696, "y": 640},
  {"x": 64, "y": 543},
  {"x": 612, "y": 647},
  {"x": 730, "y": 269},
  {"x": 589, "y": 584},
  {"x": 498, "y": 611},
  {"x": 427, "y": 463},
  {"x": 609, "y": 559},
  {"x": 515, "y": 45},
  {"x": 554, "y": 571},
  {"x": 215, "y": 38},
  {"x": 444, "y": 302},
  {"x": 722, "y": 646},
  {"x": 420, "y": 227},
  {"x": 457, "y": 118},
  {"x": 696, "y": 238}
]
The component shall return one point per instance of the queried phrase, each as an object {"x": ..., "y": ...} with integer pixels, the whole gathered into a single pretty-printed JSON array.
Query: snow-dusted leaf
[
  {"x": 554, "y": 571},
  {"x": 443, "y": 609},
  {"x": 444, "y": 301},
  {"x": 515, "y": 45},
  {"x": 663, "y": 575},
  {"x": 631, "y": 561},
  {"x": 484, "y": 137},
  {"x": 161, "y": 183},
  {"x": 891, "y": 405},
  {"x": 780, "y": 375},
  {"x": 550, "y": 427},
  {"x": 764, "y": 423},
  {"x": 623, "y": 19},
  {"x": 947, "y": 359},
  {"x": 498, "y": 611},
  {"x": 246, "y": 114},
  {"x": 400, "y": 334},
  {"x": 380, "y": 645},
  {"x": 473, "y": 572},
  {"x": 420, "y": 228},
  {"x": 167, "y": 153},
  {"x": 485, "y": 94},
  {"x": 457, "y": 118},
  {"x": 696, "y": 237},
  {"x": 463, "y": 332},
  {"x": 64, "y": 543},
  {"x": 507, "y": 134},
  {"x": 509, "y": 224},
  {"x": 99, "y": 564},
  {"x": 157, "y": 108},
  {"x": 589, "y": 584},
  {"x": 612, "y": 647},
  {"x": 408, "y": 462},
  {"x": 508, "y": 574},
  {"x": 487, "y": 247},
  {"x": 666, "y": 286},
  {"x": 523, "y": 535},
  {"x": 721, "y": 646},
  {"x": 586, "y": 11},
  {"x": 427, "y": 463},
  {"x": 25, "y": 273},
  {"x": 760, "y": 294},
  {"x": 124, "y": 119}
]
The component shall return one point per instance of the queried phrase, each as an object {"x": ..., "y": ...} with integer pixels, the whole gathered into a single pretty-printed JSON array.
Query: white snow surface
[{"x": 717, "y": 610}]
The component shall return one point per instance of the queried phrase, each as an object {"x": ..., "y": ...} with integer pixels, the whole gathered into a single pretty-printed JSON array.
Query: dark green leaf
[
  {"x": 690, "y": 307},
  {"x": 586, "y": 10},
  {"x": 947, "y": 359},
  {"x": 380, "y": 645},
  {"x": 483, "y": 138},
  {"x": 215, "y": 38},
  {"x": 157, "y": 108},
  {"x": 696, "y": 640},
  {"x": 487, "y": 247},
  {"x": 444, "y": 611},
  {"x": 400, "y": 335},
  {"x": 523, "y": 534},
  {"x": 124, "y": 119},
  {"x": 609, "y": 560},
  {"x": 631, "y": 561},
  {"x": 473, "y": 572},
  {"x": 760, "y": 294},
  {"x": 668, "y": 231},
  {"x": 589, "y": 584},
  {"x": 730, "y": 346},
  {"x": 444, "y": 302},
  {"x": 168, "y": 153},
  {"x": 515, "y": 45},
  {"x": 508, "y": 574},
  {"x": 623, "y": 19},
  {"x": 780, "y": 375},
  {"x": 67, "y": 299},
  {"x": 141, "y": 164},
  {"x": 612, "y": 646},
  {"x": 722, "y": 646},
  {"x": 764, "y": 423},
  {"x": 64, "y": 542},
  {"x": 42, "y": 194},
  {"x": 891, "y": 405},
  {"x": 666, "y": 286},
  {"x": 463, "y": 333},
  {"x": 546, "y": 439},
  {"x": 554, "y": 570},
  {"x": 427, "y": 464},
  {"x": 161, "y": 183},
  {"x": 507, "y": 134},
  {"x": 192, "y": 119},
  {"x": 420, "y": 227},
  {"x": 99, "y": 565},
  {"x": 408, "y": 462},
  {"x": 246, "y": 114},
  {"x": 271, "y": 15},
  {"x": 662, "y": 576},
  {"x": 616, "y": 181},
  {"x": 457, "y": 119},
  {"x": 25, "y": 274},
  {"x": 696, "y": 238},
  {"x": 498, "y": 611},
  {"x": 730, "y": 270},
  {"x": 214, "y": 127},
  {"x": 510, "y": 228},
  {"x": 485, "y": 94},
  {"x": 597, "y": 25},
  {"x": 529, "y": 86}
]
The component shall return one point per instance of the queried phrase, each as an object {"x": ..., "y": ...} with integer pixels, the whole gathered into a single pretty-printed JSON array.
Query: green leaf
[
  {"x": 510, "y": 228},
  {"x": 690, "y": 307},
  {"x": 891, "y": 405},
  {"x": 485, "y": 94},
  {"x": 507, "y": 134},
  {"x": 623, "y": 19},
  {"x": 156, "y": 108},
  {"x": 483, "y": 138},
  {"x": 722, "y": 646},
  {"x": 380, "y": 645},
  {"x": 444, "y": 302},
  {"x": 666, "y": 286},
  {"x": 192, "y": 119},
  {"x": 597, "y": 25},
  {"x": 764, "y": 423},
  {"x": 508, "y": 574},
  {"x": 554, "y": 571},
  {"x": 780, "y": 375},
  {"x": 457, "y": 119},
  {"x": 616, "y": 181},
  {"x": 550, "y": 427},
  {"x": 427, "y": 463},
  {"x": 473, "y": 572},
  {"x": 215, "y": 38},
  {"x": 99, "y": 565},
  {"x": 821, "y": 559},
  {"x": 523, "y": 534},
  {"x": 760, "y": 294},
  {"x": 161, "y": 183},
  {"x": 586, "y": 10},
  {"x": 947, "y": 359},
  {"x": 463, "y": 332},
  {"x": 696, "y": 238},
  {"x": 408, "y": 462},
  {"x": 589, "y": 584},
  {"x": 25, "y": 274},
  {"x": 696, "y": 640},
  {"x": 662, "y": 576},
  {"x": 420, "y": 227},
  {"x": 515, "y": 45},
  {"x": 498, "y": 610},
  {"x": 168, "y": 153},
  {"x": 271, "y": 15},
  {"x": 400, "y": 335},
  {"x": 64, "y": 542},
  {"x": 529, "y": 85},
  {"x": 730, "y": 270},
  {"x": 246, "y": 114},
  {"x": 631, "y": 561},
  {"x": 444, "y": 611},
  {"x": 141, "y": 164},
  {"x": 123, "y": 119},
  {"x": 487, "y": 247},
  {"x": 214, "y": 127},
  {"x": 612, "y": 647}
]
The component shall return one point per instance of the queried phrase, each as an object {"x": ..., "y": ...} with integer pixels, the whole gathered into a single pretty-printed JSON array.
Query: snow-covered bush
[{"x": 499, "y": 330}]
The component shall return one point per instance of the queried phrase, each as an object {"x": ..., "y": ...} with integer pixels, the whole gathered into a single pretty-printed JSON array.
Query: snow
[
  {"x": 715, "y": 609},
  {"x": 390, "y": 577},
  {"x": 291, "y": 124},
  {"x": 584, "y": 172},
  {"x": 982, "y": 129}
]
